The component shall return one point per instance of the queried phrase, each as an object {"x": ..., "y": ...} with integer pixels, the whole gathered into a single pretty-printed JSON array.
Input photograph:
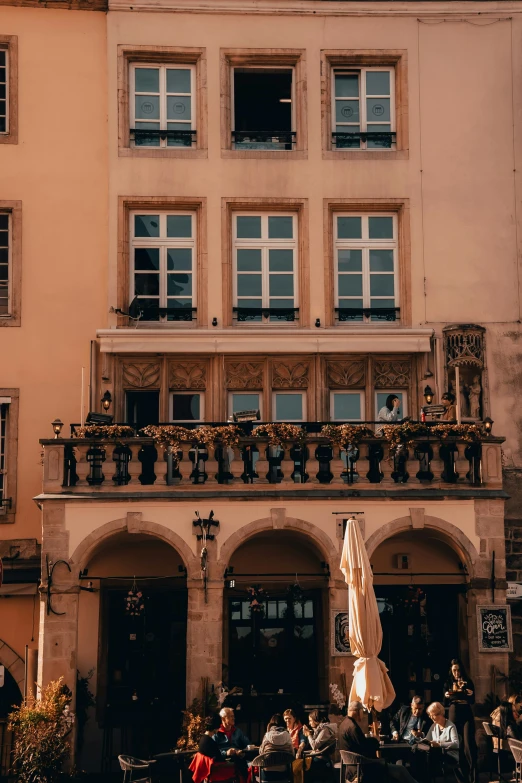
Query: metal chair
[
  {"x": 130, "y": 763},
  {"x": 364, "y": 770},
  {"x": 516, "y": 749},
  {"x": 274, "y": 758}
]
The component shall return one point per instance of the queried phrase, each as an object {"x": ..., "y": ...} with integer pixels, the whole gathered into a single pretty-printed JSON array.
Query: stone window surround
[
  {"x": 295, "y": 58},
  {"x": 14, "y": 208},
  {"x": 215, "y": 381},
  {"x": 354, "y": 58},
  {"x": 399, "y": 206},
  {"x": 10, "y": 44},
  {"x": 162, "y": 55},
  {"x": 7, "y": 517},
  {"x": 300, "y": 207},
  {"x": 128, "y": 204}
]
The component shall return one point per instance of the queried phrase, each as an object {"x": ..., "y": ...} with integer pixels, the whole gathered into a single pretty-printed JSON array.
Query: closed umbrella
[{"x": 371, "y": 684}]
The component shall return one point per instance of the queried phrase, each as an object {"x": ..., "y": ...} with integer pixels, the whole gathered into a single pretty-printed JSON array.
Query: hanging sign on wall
[{"x": 494, "y": 628}]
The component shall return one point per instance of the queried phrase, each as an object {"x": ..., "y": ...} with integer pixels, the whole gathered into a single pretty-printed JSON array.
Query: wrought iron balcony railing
[
  {"x": 268, "y": 313},
  {"x": 353, "y": 140},
  {"x": 154, "y": 312},
  {"x": 373, "y": 313},
  {"x": 148, "y": 137},
  {"x": 264, "y": 140},
  {"x": 122, "y": 464}
]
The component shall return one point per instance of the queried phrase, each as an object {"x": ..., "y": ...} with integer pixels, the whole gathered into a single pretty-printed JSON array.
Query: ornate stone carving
[
  {"x": 392, "y": 373},
  {"x": 244, "y": 375},
  {"x": 344, "y": 375},
  {"x": 464, "y": 345},
  {"x": 141, "y": 375},
  {"x": 290, "y": 375},
  {"x": 187, "y": 375}
]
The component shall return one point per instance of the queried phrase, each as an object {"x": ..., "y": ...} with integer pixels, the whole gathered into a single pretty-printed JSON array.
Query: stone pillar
[
  {"x": 204, "y": 632},
  {"x": 58, "y": 632}
]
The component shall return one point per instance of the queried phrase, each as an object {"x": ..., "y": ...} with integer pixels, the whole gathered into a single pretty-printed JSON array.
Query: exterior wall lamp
[
  {"x": 428, "y": 395},
  {"x": 106, "y": 401},
  {"x": 57, "y": 425},
  {"x": 488, "y": 425}
]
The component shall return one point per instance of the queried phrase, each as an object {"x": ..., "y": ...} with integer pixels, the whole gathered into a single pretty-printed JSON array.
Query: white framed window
[
  {"x": 163, "y": 258},
  {"x": 346, "y": 406},
  {"x": 382, "y": 395},
  {"x": 187, "y": 406},
  {"x": 263, "y": 101},
  {"x": 4, "y": 90},
  {"x": 366, "y": 267},
  {"x": 265, "y": 267},
  {"x": 245, "y": 401},
  {"x": 162, "y": 106},
  {"x": 289, "y": 406},
  {"x": 5, "y": 264},
  {"x": 363, "y": 108}
]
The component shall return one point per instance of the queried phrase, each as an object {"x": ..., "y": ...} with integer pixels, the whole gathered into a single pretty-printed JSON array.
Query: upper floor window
[
  {"x": 289, "y": 406},
  {"x": 163, "y": 250},
  {"x": 365, "y": 262},
  {"x": 4, "y": 264},
  {"x": 9, "y": 399},
  {"x": 162, "y": 109},
  {"x": 4, "y": 407},
  {"x": 265, "y": 267},
  {"x": 186, "y": 406},
  {"x": 4, "y": 88},
  {"x": 263, "y": 108},
  {"x": 363, "y": 108},
  {"x": 346, "y": 406}
]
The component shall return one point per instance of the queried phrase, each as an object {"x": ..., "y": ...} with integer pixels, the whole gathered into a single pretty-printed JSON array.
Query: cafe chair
[
  {"x": 359, "y": 769},
  {"x": 274, "y": 758},
  {"x": 516, "y": 749},
  {"x": 130, "y": 764},
  {"x": 492, "y": 732}
]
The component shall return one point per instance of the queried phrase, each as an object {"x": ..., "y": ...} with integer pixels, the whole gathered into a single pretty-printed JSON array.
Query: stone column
[
  {"x": 58, "y": 632},
  {"x": 204, "y": 629}
]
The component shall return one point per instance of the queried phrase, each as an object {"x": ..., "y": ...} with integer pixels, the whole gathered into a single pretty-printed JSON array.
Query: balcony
[
  {"x": 373, "y": 140},
  {"x": 263, "y": 140},
  {"x": 282, "y": 459},
  {"x": 151, "y": 137}
]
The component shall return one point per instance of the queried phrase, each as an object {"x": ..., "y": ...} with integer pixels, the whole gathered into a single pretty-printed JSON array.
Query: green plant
[
  {"x": 104, "y": 431},
  {"x": 41, "y": 728},
  {"x": 278, "y": 433},
  {"x": 193, "y": 725},
  {"x": 344, "y": 435},
  {"x": 84, "y": 700}
]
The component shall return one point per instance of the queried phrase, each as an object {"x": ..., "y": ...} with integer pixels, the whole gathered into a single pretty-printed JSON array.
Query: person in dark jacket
[
  {"x": 411, "y": 722},
  {"x": 459, "y": 696},
  {"x": 351, "y": 738},
  {"x": 207, "y": 746},
  {"x": 231, "y": 740}
]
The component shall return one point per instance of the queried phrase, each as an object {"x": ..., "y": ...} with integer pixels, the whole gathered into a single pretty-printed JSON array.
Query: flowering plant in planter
[
  {"x": 104, "y": 431},
  {"x": 345, "y": 434},
  {"x": 167, "y": 436},
  {"x": 134, "y": 602},
  {"x": 279, "y": 433},
  {"x": 257, "y": 597},
  {"x": 468, "y": 432}
]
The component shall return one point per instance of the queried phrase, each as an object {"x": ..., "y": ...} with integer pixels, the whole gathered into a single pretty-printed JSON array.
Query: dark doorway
[
  {"x": 142, "y": 408},
  {"x": 420, "y": 636},
  {"x": 10, "y": 697},
  {"x": 144, "y": 667}
]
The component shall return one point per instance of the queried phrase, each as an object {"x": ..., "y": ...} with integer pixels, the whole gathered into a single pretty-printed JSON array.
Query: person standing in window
[
  {"x": 390, "y": 412},
  {"x": 448, "y": 400},
  {"x": 459, "y": 695}
]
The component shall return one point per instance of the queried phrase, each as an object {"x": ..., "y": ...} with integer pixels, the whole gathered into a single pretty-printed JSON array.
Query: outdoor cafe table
[{"x": 392, "y": 750}]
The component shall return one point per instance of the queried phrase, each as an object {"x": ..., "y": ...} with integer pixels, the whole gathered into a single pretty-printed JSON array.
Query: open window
[
  {"x": 382, "y": 395},
  {"x": 186, "y": 406},
  {"x": 142, "y": 407},
  {"x": 263, "y": 101}
]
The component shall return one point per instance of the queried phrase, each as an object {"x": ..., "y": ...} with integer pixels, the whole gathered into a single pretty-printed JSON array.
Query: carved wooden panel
[
  {"x": 141, "y": 375},
  {"x": 244, "y": 375},
  {"x": 392, "y": 373},
  {"x": 346, "y": 374},
  {"x": 188, "y": 375},
  {"x": 292, "y": 374}
]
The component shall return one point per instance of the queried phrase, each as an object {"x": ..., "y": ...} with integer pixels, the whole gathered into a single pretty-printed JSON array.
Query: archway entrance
[
  {"x": 420, "y": 584},
  {"x": 275, "y": 649},
  {"x": 137, "y": 648},
  {"x": 10, "y": 696}
]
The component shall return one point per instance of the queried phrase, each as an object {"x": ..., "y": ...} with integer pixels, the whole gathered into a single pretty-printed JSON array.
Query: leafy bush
[{"x": 41, "y": 727}]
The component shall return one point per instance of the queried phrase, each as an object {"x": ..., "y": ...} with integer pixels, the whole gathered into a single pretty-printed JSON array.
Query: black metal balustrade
[
  {"x": 155, "y": 312},
  {"x": 374, "y": 313},
  {"x": 270, "y": 313},
  {"x": 150, "y": 137},
  {"x": 347, "y": 140},
  {"x": 272, "y": 139}
]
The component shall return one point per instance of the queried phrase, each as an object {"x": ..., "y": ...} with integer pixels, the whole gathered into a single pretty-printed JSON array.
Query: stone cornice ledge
[
  {"x": 232, "y": 341},
  {"x": 324, "y": 7}
]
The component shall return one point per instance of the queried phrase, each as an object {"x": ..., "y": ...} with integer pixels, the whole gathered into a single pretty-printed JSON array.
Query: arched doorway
[
  {"x": 420, "y": 583},
  {"x": 10, "y": 697},
  {"x": 275, "y": 653},
  {"x": 138, "y": 657}
]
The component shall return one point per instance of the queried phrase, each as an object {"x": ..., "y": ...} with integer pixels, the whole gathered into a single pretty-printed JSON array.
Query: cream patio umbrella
[{"x": 371, "y": 684}]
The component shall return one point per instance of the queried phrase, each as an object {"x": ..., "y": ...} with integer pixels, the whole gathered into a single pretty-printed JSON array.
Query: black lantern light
[
  {"x": 428, "y": 394},
  {"x": 488, "y": 425},
  {"x": 106, "y": 400},
  {"x": 57, "y": 425}
]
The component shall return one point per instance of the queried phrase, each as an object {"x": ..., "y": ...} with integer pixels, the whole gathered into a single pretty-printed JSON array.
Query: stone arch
[
  {"x": 453, "y": 535},
  {"x": 318, "y": 537},
  {"x": 13, "y": 663},
  {"x": 133, "y": 523}
]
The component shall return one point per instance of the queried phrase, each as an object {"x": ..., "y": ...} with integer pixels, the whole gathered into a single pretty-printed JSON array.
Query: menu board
[{"x": 494, "y": 628}]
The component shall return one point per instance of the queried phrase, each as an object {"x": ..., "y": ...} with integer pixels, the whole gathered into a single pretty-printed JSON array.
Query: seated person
[
  {"x": 230, "y": 739},
  {"x": 441, "y": 735},
  {"x": 208, "y": 763},
  {"x": 411, "y": 722},
  {"x": 351, "y": 738},
  {"x": 295, "y": 729},
  {"x": 320, "y": 736},
  {"x": 506, "y": 726},
  {"x": 276, "y": 740},
  {"x": 207, "y": 746}
]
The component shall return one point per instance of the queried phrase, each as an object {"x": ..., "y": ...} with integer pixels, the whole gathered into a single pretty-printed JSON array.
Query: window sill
[
  {"x": 10, "y": 320},
  {"x": 162, "y": 152},
  {"x": 271, "y": 154},
  {"x": 366, "y": 154}
]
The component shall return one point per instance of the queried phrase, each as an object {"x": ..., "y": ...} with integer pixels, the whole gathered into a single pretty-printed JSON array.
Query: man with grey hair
[
  {"x": 229, "y": 737},
  {"x": 411, "y": 722}
]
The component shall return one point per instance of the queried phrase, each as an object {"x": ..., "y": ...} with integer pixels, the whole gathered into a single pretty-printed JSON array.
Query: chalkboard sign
[{"x": 494, "y": 628}]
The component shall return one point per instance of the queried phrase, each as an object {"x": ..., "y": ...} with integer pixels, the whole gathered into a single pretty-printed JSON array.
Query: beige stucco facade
[{"x": 452, "y": 182}]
